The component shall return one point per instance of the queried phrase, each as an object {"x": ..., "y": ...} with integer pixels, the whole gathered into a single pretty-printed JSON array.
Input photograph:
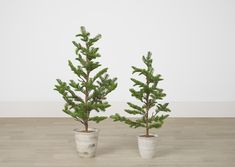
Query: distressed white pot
[
  {"x": 86, "y": 142},
  {"x": 147, "y": 146}
]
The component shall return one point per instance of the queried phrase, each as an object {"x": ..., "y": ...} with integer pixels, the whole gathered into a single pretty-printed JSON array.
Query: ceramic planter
[
  {"x": 147, "y": 146},
  {"x": 86, "y": 142}
]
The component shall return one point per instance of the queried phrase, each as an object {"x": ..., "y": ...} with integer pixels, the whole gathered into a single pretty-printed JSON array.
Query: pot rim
[
  {"x": 152, "y": 136},
  {"x": 92, "y": 130}
]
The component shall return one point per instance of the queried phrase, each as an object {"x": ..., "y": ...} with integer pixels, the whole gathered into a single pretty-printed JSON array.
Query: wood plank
[{"x": 183, "y": 142}]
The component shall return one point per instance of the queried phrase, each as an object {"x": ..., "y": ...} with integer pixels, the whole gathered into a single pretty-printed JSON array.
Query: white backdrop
[{"x": 192, "y": 44}]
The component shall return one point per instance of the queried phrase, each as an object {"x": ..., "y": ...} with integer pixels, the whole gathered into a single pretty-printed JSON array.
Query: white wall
[{"x": 192, "y": 43}]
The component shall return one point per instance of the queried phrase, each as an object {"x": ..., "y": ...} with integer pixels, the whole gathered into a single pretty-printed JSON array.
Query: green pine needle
[
  {"x": 149, "y": 94},
  {"x": 89, "y": 92}
]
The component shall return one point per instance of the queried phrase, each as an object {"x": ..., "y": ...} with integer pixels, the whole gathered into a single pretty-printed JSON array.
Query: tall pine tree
[
  {"x": 89, "y": 91},
  {"x": 149, "y": 96}
]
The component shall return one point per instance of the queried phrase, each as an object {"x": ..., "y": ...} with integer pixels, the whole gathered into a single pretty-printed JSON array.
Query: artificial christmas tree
[
  {"x": 87, "y": 93},
  {"x": 149, "y": 95}
]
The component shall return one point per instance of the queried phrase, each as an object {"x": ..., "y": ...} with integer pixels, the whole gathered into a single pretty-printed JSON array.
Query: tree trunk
[
  {"x": 86, "y": 99},
  {"x": 86, "y": 126},
  {"x": 147, "y": 122},
  {"x": 147, "y": 111}
]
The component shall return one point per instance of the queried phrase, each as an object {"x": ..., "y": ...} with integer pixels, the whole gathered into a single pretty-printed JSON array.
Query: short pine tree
[
  {"x": 149, "y": 95},
  {"x": 88, "y": 92}
]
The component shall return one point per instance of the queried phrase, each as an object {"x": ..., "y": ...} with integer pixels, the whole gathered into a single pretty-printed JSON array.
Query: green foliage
[
  {"x": 149, "y": 95},
  {"x": 89, "y": 92},
  {"x": 97, "y": 119},
  {"x": 131, "y": 123}
]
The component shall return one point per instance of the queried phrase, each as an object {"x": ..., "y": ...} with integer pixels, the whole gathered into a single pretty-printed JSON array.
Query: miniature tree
[
  {"x": 88, "y": 92},
  {"x": 149, "y": 95}
]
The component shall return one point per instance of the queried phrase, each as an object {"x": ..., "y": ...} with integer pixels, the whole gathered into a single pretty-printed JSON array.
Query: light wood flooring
[{"x": 183, "y": 142}]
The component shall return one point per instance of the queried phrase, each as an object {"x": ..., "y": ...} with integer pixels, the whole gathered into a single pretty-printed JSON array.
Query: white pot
[
  {"x": 147, "y": 146},
  {"x": 86, "y": 142}
]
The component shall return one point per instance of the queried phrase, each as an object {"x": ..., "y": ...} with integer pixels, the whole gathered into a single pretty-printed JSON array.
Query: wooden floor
[{"x": 183, "y": 142}]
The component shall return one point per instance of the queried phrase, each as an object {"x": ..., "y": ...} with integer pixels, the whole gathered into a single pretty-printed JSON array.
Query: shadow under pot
[{"x": 86, "y": 142}]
